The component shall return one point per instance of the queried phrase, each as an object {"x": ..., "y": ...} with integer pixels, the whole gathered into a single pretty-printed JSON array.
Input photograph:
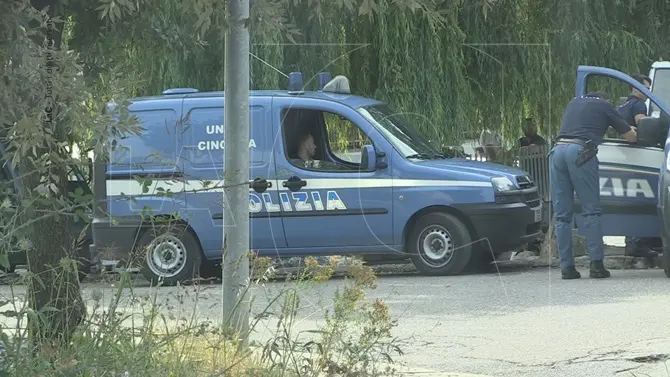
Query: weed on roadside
[{"x": 144, "y": 335}]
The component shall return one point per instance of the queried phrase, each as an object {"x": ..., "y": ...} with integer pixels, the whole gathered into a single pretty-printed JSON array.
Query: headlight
[{"x": 502, "y": 184}]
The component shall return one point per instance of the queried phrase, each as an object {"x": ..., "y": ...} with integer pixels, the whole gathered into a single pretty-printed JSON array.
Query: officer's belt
[{"x": 571, "y": 141}]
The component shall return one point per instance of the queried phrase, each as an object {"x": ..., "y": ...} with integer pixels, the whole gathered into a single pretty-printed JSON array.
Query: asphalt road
[{"x": 516, "y": 323}]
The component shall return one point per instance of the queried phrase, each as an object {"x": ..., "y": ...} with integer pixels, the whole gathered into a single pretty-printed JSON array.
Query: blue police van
[{"x": 376, "y": 186}]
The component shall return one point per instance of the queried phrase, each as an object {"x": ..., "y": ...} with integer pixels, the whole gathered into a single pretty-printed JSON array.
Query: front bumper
[{"x": 505, "y": 226}]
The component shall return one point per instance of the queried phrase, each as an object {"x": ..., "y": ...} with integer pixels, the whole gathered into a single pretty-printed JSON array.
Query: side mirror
[
  {"x": 368, "y": 158},
  {"x": 650, "y": 130}
]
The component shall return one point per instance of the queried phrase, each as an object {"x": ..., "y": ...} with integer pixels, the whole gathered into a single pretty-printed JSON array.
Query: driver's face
[{"x": 309, "y": 146}]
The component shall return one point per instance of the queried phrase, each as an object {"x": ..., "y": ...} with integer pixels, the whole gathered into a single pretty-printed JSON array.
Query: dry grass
[{"x": 355, "y": 339}]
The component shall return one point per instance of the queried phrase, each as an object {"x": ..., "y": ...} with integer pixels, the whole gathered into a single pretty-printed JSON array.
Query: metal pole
[{"x": 236, "y": 309}]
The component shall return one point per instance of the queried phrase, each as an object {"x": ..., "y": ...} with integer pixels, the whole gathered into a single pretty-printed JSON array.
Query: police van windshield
[{"x": 397, "y": 130}]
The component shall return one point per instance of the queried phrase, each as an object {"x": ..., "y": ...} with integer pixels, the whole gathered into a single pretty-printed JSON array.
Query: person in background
[
  {"x": 574, "y": 168},
  {"x": 530, "y": 135},
  {"x": 633, "y": 109}
]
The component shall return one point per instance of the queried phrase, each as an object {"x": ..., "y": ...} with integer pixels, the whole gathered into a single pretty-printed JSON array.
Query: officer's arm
[{"x": 617, "y": 122}]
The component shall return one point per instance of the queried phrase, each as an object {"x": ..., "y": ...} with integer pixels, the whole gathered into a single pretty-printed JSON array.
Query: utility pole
[{"x": 236, "y": 307}]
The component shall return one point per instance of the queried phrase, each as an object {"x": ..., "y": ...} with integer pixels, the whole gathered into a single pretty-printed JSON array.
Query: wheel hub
[
  {"x": 437, "y": 244},
  {"x": 166, "y": 256}
]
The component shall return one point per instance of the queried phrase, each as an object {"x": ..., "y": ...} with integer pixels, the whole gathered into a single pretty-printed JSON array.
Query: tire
[
  {"x": 447, "y": 233},
  {"x": 169, "y": 254}
]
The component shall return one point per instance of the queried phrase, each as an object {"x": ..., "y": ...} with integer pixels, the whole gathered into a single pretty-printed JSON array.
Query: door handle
[
  {"x": 294, "y": 183},
  {"x": 260, "y": 185}
]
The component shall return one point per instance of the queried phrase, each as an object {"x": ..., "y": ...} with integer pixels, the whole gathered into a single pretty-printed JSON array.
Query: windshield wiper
[
  {"x": 426, "y": 156},
  {"x": 421, "y": 156}
]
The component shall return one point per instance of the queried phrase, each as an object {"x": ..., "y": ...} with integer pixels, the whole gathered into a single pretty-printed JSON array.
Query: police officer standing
[
  {"x": 632, "y": 110},
  {"x": 573, "y": 168}
]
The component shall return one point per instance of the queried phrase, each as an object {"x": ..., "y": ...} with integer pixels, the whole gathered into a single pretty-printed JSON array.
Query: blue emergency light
[
  {"x": 324, "y": 78},
  {"x": 295, "y": 83}
]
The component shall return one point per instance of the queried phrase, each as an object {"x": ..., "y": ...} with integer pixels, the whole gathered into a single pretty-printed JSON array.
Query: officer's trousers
[{"x": 566, "y": 179}]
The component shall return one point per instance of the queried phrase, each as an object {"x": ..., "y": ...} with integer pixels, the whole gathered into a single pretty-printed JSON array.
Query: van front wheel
[
  {"x": 170, "y": 254},
  {"x": 439, "y": 244}
]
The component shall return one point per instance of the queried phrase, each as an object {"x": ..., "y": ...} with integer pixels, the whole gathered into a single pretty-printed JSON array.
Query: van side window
[
  {"x": 345, "y": 139},
  {"x": 155, "y": 145},
  {"x": 322, "y": 141},
  {"x": 203, "y": 138}
]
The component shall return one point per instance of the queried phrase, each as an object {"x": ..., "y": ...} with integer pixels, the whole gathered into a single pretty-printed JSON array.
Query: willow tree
[{"x": 41, "y": 100}]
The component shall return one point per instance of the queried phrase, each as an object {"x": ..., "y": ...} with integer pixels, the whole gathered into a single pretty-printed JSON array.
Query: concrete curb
[
  {"x": 614, "y": 262},
  {"x": 442, "y": 374},
  {"x": 419, "y": 372}
]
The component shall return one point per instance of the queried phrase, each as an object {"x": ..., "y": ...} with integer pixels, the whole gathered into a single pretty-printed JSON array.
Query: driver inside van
[{"x": 306, "y": 151}]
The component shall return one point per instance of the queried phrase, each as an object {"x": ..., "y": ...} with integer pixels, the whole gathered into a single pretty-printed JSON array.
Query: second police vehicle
[
  {"x": 634, "y": 181},
  {"x": 393, "y": 194}
]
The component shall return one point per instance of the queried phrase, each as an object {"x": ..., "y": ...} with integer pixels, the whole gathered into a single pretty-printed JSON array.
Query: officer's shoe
[
  {"x": 598, "y": 270},
  {"x": 640, "y": 252},
  {"x": 570, "y": 273}
]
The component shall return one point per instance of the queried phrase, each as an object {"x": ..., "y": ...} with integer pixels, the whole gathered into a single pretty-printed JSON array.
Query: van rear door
[{"x": 628, "y": 189}]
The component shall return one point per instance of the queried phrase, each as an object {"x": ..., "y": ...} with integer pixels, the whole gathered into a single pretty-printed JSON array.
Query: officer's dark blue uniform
[
  {"x": 632, "y": 107},
  {"x": 585, "y": 122}
]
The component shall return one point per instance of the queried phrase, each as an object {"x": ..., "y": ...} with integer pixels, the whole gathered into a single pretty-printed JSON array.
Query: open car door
[
  {"x": 629, "y": 173},
  {"x": 629, "y": 176}
]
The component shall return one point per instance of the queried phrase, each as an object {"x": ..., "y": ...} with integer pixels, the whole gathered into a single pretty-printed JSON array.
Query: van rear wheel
[
  {"x": 439, "y": 244},
  {"x": 169, "y": 254}
]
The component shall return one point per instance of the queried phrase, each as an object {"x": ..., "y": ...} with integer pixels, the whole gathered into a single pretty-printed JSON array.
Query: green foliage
[
  {"x": 166, "y": 334},
  {"x": 453, "y": 67}
]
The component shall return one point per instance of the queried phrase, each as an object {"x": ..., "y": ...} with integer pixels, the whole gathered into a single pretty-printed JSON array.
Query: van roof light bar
[
  {"x": 174, "y": 91},
  {"x": 295, "y": 83},
  {"x": 324, "y": 78},
  {"x": 340, "y": 85}
]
